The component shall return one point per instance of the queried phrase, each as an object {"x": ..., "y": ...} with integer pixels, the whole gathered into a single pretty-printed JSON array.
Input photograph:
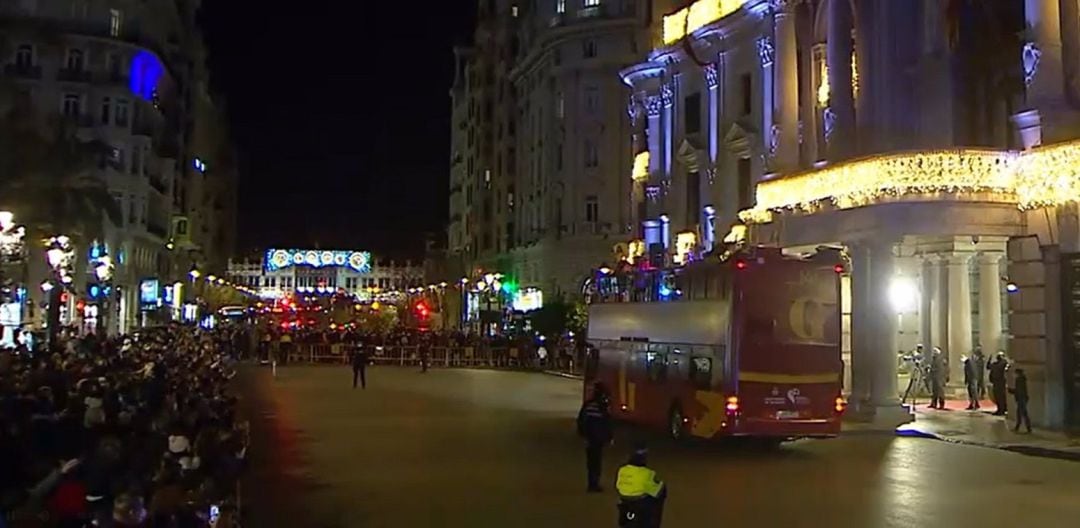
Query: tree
[{"x": 47, "y": 179}]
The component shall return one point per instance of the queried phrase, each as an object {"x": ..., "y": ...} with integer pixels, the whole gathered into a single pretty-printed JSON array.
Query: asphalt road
[{"x": 471, "y": 448}]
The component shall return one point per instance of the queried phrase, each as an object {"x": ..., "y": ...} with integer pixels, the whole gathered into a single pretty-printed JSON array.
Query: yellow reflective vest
[{"x": 637, "y": 482}]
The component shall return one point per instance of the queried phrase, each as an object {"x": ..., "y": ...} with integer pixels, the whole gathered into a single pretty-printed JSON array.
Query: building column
[
  {"x": 769, "y": 128},
  {"x": 990, "y": 302},
  {"x": 884, "y": 325},
  {"x": 959, "y": 314},
  {"x": 1043, "y": 67},
  {"x": 841, "y": 98},
  {"x": 939, "y": 310},
  {"x": 927, "y": 289},
  {"x": 786, "y": 86},
  {"x": 861, "y": 331}
]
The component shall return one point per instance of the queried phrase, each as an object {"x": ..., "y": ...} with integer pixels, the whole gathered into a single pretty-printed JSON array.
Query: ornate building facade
[{"x": 936, "y": 141}]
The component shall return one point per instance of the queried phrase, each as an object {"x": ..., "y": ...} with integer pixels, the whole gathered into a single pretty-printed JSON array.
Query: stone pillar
[
  {"x": 653, "y": 106},
  {"x": 959, "y": 314},
  {"x": 939, "y": 309},
  {"x": 786, "y": 87},
  {"x": 935, "y": 77},
  {"x": 990, "y": 303},
  {"x": 884, "y": 325},
  {"x": 841, "y": 98},
  {"x": 808, "y": 123},
  {"x": 1043, "y": 68},
  {"x": 861, "y": 331},
  {"x": 927, "y": 288},
  {"x": 769, "y": 129}
]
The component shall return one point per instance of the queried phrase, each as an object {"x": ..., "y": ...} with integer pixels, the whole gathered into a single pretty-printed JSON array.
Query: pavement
[
  {"x": 982, "y": 428},
  {"x": 475, "y": 448}
]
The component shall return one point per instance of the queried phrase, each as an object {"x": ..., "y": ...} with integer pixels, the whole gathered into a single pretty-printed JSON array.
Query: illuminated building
[
  {"x": 540, "y": 164},
  {"x": 814, "y": 124},
  {"x": 292, "y": 272},
  {"x": 127, "y": 74}
]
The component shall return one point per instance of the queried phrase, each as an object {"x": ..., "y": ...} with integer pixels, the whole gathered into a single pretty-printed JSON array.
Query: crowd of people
[{"x": 135, "y": 431}]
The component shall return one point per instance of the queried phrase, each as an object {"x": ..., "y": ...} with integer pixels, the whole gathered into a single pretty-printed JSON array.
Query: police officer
[
  {"x": 594, "y": 425},
  {"x": 937, "y": 379},
  {"x": 1020, "y": 393},
  {"x": 359, "y": 364},
  {"x": 971, "y": 381},
  {"x": 641, "y": 492}
]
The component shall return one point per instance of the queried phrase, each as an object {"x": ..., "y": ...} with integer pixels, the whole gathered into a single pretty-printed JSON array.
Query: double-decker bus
[{"x": 744, "y": 346}]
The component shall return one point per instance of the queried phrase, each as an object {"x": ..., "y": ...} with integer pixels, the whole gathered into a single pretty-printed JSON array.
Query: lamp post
[{"x": 60, "y": 256}]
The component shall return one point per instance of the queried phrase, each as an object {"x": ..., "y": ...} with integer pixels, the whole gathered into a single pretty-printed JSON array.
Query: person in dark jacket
[
  {"x": 359, "y": 364},
  {"x": 971, "y": 381},
  {"x": 938, "y": 378},
  {"x": 997, "y": 369},
  {"x": 594, "y": 425},
  {"x": 979, "y": 359},
  {"x": 1020, "y": 393}
]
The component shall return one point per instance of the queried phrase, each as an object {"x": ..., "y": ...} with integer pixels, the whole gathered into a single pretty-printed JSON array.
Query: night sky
[{"x": 341, "y": 114}]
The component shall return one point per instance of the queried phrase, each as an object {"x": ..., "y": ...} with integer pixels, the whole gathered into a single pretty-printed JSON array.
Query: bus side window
[
  {"x": 701, "y": 372},
  {"x": 656, "y": 365}
]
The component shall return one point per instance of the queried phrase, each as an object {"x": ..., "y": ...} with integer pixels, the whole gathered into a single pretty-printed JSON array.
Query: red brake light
[
  {"x": 839, "y": 268},
  {"x": 732, "y": 405},
  {"x": 740, "y": 264}
]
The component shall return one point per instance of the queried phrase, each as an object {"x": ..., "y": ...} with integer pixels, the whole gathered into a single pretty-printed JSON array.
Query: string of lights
[{"x": 1041, "y": 177}]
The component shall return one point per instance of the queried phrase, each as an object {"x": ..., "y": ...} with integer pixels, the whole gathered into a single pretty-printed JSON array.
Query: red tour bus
[{"x": 746, "y": 346}]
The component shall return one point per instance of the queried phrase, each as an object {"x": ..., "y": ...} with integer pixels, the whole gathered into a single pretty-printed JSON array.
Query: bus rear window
[{"x": 701, "y": 372}]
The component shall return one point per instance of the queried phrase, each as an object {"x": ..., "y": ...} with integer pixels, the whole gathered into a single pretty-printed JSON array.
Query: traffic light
[
  {"x": 422, "y": 309},
  {"x": 509, "y": 287}
]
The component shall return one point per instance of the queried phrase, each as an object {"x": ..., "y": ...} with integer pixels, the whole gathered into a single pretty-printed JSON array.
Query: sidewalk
[{"x": 981, "y": 428}]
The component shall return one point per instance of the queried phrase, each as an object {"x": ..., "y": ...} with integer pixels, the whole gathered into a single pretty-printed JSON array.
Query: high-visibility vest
[{"x": 638, "y": 481}]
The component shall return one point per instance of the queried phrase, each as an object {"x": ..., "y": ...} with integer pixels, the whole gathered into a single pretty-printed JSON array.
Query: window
[
  {"x": 136, "y": 161},
  {"x": 24, "y": 56},
  {"x": 74, "y": 61},
  {"x": 131, "y": 209},
  {"x": 106, "y": 110},
  {"x": 744, "y": 183},
  {"x": 693, "y": 197},
  {"x": 560, "y": 106},
  {"x": 592, "y": 3},
  {"x": 115, "y": 18},
  {"x": 558, "y": 156},
  {"x": 592, "y": 209},
  {"x": 72, "y": 105},
  {"x": 692, "y": 109},
  {"x": 589, "y": 48},
  {"x": 747, "y": 94},
  {"x": 591, "y": 157},
  {"x": 592, "y": 100},
  {"x": 560, "y": 6},
  {"x": 113, "y": 64},
  {"x": 121, "y": 112},
  {"x": 701, "y": 372},
  {"x": 514, "y": 11},
  {"x": 656, "y": 365}
]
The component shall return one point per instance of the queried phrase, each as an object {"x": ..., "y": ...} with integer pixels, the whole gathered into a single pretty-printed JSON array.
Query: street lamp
[
  {"x": 195, "y": 274},
  {"x": 903, "y": 294}
]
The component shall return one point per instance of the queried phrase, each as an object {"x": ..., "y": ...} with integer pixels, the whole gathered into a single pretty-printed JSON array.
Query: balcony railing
[{"x": 25, "y": 71}]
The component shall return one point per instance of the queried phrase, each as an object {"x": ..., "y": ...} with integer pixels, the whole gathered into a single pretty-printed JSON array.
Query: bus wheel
[{"x": 676, "y": 423}]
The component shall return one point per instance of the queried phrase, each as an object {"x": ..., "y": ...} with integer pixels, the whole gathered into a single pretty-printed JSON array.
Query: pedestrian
[
  {"x": 541, "y": 354},
  {"x": 425, "y": 358},
  {"x": 1020, "y": 394},
  {"x": 594, "y": 425},
  {"x": 359, "y": 364},
  {"x": 997, "y": 369},
  {"x": 937, "y": 379},
  {"x": 971, "y": 383},
  {"x": 980, "y": 372},
  {"x": 641, "y": 493}
]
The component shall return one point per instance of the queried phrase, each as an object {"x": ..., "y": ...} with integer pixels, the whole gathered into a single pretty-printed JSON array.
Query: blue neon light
[
  {"x": 145, "y": 74},
  {"x": 277, "y": 259}
]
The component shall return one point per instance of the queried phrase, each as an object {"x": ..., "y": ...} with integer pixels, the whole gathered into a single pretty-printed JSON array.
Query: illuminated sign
[
  {"x": 149, "y": 292},
  {"x": 528, "y": 300},
  {"x": 277, "y": 259}
]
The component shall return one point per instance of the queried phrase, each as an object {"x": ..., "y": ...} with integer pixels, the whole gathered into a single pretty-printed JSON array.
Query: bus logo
[{"x": 807, "y": 319}]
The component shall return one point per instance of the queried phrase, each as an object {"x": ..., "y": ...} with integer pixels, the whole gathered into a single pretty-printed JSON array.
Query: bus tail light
[
  {"x": 740, "y": 264},
  {"x": 732, "y": 404},
  {"x": 839, "y": 268},
  {"x": 841, "y": 405}
]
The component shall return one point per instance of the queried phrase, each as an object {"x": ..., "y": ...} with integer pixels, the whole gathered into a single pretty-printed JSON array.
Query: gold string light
[{"x": 1042, "y": 177}]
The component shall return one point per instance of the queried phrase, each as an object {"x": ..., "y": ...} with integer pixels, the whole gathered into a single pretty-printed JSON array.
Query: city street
[{"x": 474, "y": 448}]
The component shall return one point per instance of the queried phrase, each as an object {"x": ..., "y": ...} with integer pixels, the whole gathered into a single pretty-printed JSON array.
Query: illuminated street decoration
[
  {"x": 277, "y": 259},
  {"x": 528, "y": 300},
  {"x": 641, "y": 167},
  {"x": 685, "y": 243},
  {"x": 1045, "y": 176},
  {"x": 145, "y": 74},
  {"x": 698, "y": 15}
]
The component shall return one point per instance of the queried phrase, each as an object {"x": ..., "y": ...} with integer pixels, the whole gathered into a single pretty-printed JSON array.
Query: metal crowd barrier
[{"x": 438, "y": 356}]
